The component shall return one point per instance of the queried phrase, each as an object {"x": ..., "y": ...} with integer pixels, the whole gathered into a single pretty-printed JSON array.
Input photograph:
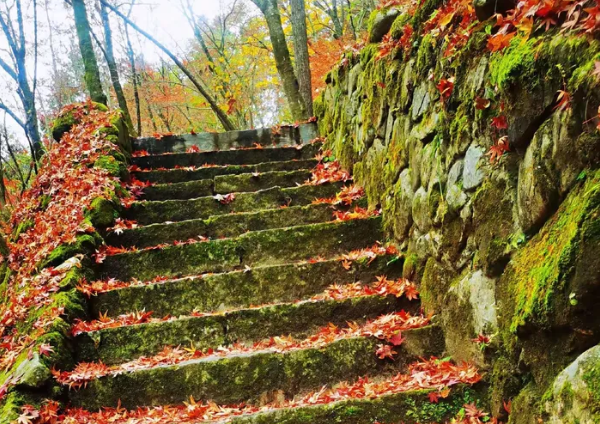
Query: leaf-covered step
[
  {"x": 256, "y": 181},
  {"x": 146, "y": 213},
  {"x": 228, "y": 157},
  {"x": 268, "y": 247},
  {"x": 179, "y": 191},
  {"x": 121, "y": 344},
  {"x": 238, "y": 289},
  {"x": 210, "y": 172},
  {"x": 410, "y": 407},
  {"x": 220, "y": 226},
  {"x": 248, "y": 377}
]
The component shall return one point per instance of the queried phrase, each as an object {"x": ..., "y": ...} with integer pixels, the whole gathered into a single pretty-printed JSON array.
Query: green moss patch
[{"x": 541, "y": 270}]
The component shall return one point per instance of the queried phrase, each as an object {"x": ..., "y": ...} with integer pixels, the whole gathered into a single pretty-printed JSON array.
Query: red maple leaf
[
  {"x": 499, "y": 149},
  {"x": 445, "y": 87},
  {"x": 563, "y": 100},
  {"x": 434, "y": 397},
  {"x": 46, "y": 349},
  {"x": 481, "y": 104},
  {"x": 500, "y": 122},
  {"x": 385, "y": 351}
]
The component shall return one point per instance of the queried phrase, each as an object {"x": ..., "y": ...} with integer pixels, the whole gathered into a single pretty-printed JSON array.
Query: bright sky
[{"x": 165, "y": 20}]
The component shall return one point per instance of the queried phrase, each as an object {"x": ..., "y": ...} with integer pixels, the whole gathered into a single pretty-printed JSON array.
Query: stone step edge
[
  {"x": 259, "y": 285},
  {"x": 294, "y": 164},
  {"x": 256, "y": 232},
  {"x": 408, "y": 407},
  {"x": 149, "y": 212},
  {"x": 126, "y": 342},
  {"x": 131, "y": 237},
  {"x": 205, "y": 378},
  {"x": 214, "y": 180}
]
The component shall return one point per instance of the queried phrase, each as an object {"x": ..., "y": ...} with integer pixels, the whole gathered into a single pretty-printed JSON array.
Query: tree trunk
[
  {"x": 112, "y": 68},
  {"x": 136, "y": 82},
  {"x": 92, "y": 73},
  {"x": 270, "y": 10},
  {"x": 301, "y": 54},
  {"x": 225, "y": 122}
]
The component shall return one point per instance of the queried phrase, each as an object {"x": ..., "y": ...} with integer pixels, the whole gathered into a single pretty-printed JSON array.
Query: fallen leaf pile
[{"x": 54, "y": 206}]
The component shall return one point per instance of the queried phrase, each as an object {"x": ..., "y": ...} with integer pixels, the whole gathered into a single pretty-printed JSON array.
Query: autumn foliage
[{"x": 50, "y": 215}]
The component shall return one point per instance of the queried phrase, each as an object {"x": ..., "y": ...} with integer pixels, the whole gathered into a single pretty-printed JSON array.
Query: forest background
[{"x": 226, "y": 45}]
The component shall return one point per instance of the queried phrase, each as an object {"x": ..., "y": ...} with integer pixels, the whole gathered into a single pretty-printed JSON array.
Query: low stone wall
[
  {"x": 507, "y": 248},
  {"x": 283, "y": 135}
]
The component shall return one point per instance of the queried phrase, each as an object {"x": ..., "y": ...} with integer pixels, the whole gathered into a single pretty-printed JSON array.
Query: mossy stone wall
[{"x": 506, "y": 249}]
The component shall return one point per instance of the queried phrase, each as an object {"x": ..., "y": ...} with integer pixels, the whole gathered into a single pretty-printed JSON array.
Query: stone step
[
  {"x": 239, "y": 289},
  {"x": 145, "y": 213},
  {"x": 268, "y": 247},
  {"x": 122, "y": 344},
  {"x": 209, "y": 172},
  {"x": 228, "y": 157},
  {"x": 224, "y": 184},
  {"x": 220, "y": 226},
  {"x": 179, "y": 191},
  {"x": 253, "y": 182},
  {"x": 248, "y": 377},
  {"x": 285, "y": 134},
  {"x": 410, "y": 407}
]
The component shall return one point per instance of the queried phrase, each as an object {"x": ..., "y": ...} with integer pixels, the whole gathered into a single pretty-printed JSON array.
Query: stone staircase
[{"x": 243, "y": 308}]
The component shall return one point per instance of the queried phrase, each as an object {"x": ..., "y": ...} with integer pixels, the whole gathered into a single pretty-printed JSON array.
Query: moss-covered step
[
  {"x": 228, "y": 157},
  {"x": 238, "y": 289},
  {"x": 179, "y": 191},
  {"x": 210, "y": 172},
  {"x": 246, "y": 378},
  {"x": 220, "y": 226},
  {"x": 122, "y": 344},
  {"x": 412, "y": 407},
  {"x": 146, "y": 213},
  {"x": 253, "y": 182},
  {"x": 268, "y": 247}
]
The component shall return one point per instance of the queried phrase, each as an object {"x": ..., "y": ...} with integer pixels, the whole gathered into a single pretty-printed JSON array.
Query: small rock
[
  {"x": 472, "y": 173},
  {"x": 420, "y": 210},
  {"x": 421, "y": 101},
  {"x": 33, "y": 373},
  {"x": 480, "y": 291},
  {"x": 537, "y": 195},
  {"x": 574, "y": 392},
  {"x": 308, "y": 132},
  {"x": 455, "y": 196},
  {"x": 382, "y": 23}
]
